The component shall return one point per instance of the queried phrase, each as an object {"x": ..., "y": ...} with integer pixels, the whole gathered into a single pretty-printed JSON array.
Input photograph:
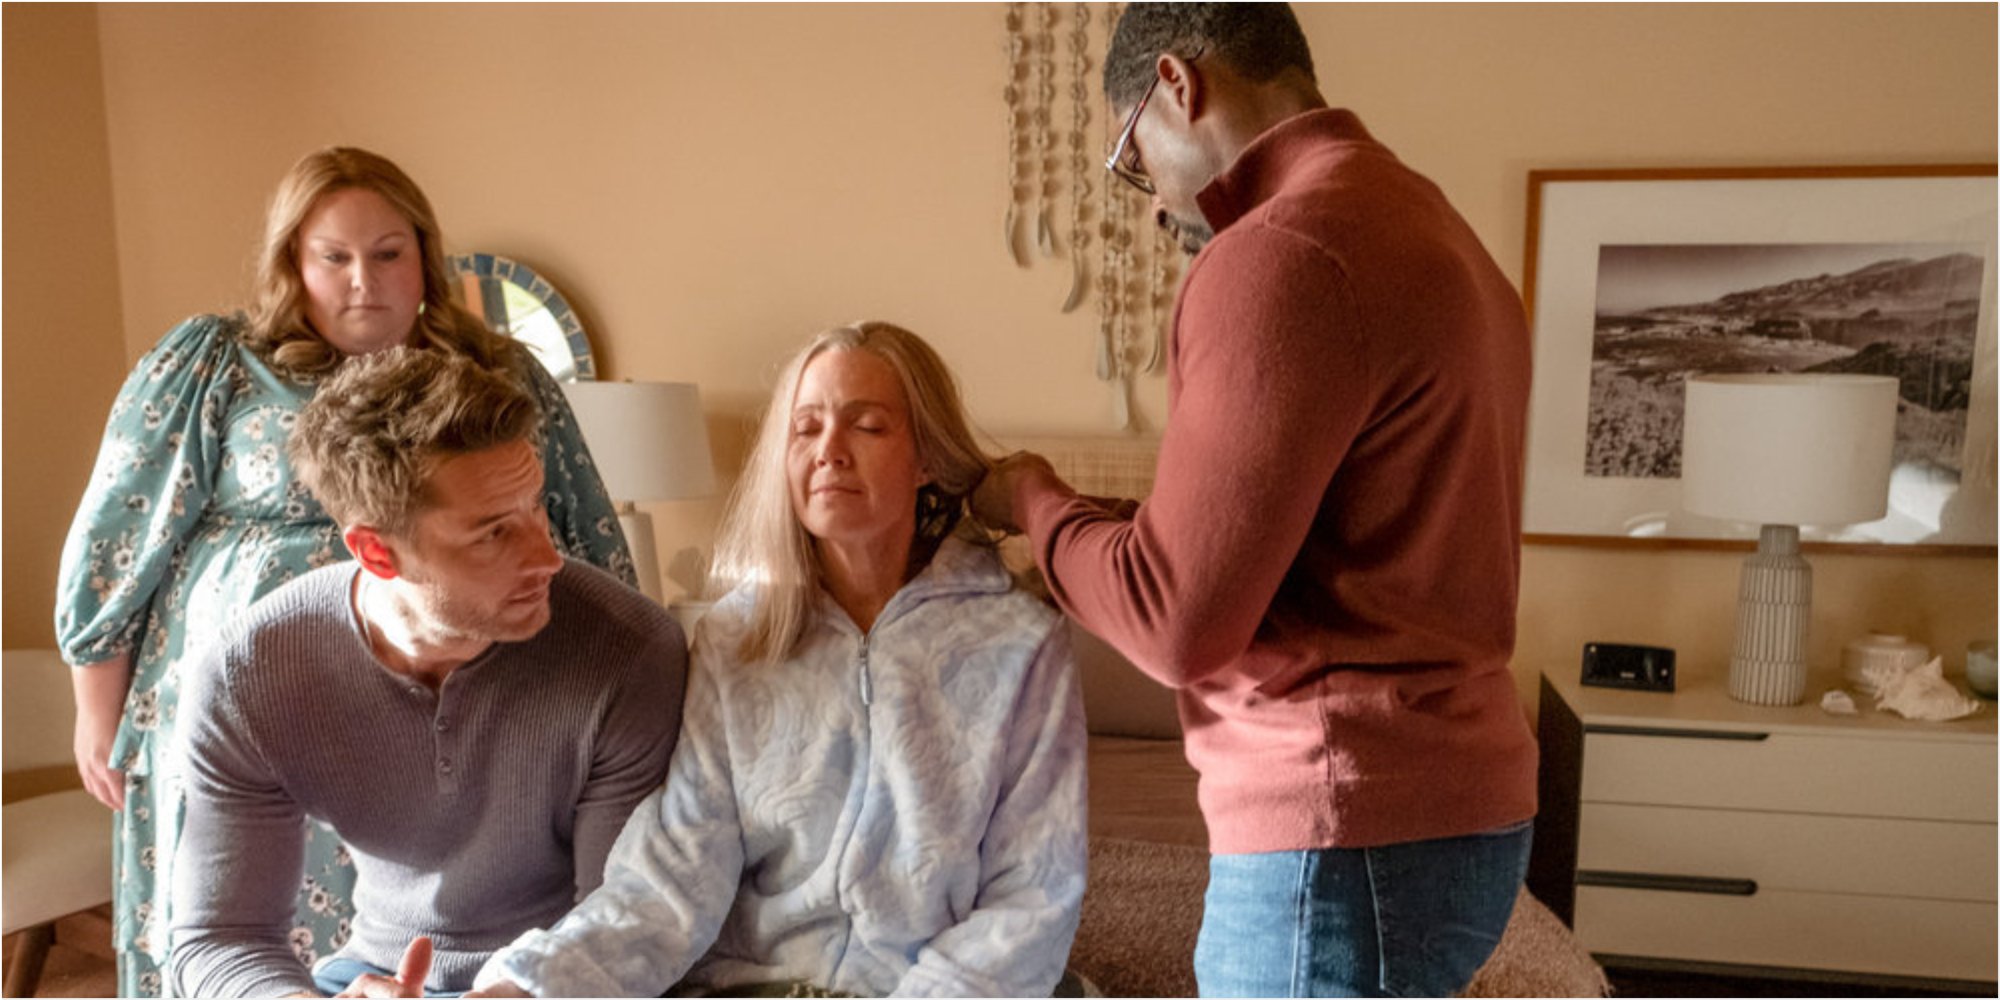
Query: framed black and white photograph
[{"x": 1636, "y": 279}]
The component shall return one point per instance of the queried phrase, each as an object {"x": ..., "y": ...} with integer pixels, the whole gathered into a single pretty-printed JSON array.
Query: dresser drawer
[
  {"x": 1798, "y": 851},
  {"x": 1811, "y": 930},
  {"x": 1792, "y": 772}
]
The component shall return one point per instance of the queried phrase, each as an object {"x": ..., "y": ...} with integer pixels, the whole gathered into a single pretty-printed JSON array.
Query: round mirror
[{"x": 516, "y": 302}]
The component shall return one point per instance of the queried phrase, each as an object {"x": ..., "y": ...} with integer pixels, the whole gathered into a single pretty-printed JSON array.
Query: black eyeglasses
[{"x": 1124, "y": 158}]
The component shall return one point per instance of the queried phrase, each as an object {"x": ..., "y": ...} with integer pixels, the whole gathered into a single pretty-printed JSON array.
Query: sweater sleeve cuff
[{"x": 1041, "y": 502}]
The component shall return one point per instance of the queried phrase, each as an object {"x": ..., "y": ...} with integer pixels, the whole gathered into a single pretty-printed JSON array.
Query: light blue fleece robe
[{"x": 896, "y": 813}]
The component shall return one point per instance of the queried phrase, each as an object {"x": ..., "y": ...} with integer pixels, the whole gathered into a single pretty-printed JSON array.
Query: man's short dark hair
[{"x": 1258, "y": 40}]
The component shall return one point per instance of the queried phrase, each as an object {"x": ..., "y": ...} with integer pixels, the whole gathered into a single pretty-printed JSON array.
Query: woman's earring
[{"x": 937, "y": 513}]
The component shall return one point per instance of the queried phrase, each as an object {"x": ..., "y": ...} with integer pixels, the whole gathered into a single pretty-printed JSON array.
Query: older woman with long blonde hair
[
  {"x": 193, "y": 510},
  {"x": 879, "y": 786}
]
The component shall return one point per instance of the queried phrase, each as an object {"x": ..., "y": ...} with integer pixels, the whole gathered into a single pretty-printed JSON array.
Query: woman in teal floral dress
[{"x": 193, "y": 511}]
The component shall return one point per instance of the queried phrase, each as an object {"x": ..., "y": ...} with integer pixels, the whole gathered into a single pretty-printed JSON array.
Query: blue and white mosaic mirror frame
[{"x": 516, "y": 302}]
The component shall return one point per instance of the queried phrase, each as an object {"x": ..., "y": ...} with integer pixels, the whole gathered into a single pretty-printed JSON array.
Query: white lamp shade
[
  {"x": 648, "y": 439},
  {"x": 1788, "y": 449}
]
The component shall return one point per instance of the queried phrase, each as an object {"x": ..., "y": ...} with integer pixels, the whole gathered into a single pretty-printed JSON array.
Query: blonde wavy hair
[
  {"x": 277, "y": 329},
  {"x": 761, "y": 543}
]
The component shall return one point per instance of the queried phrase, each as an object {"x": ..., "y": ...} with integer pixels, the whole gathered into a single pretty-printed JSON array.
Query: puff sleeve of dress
[{"x": 155, "y": 470}]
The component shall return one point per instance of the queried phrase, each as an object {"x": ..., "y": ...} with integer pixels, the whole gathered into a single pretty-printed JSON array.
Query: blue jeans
[
  {"x": 335, "y": 973},
  {"x": 1415, "y": 919}
]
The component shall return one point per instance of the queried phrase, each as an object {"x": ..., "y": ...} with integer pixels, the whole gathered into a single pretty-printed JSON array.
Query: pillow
[{"x": 1118, "y": 700}]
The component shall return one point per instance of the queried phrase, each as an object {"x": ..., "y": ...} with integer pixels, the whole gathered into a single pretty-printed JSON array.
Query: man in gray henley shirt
[{"x": 473, "y": 713}]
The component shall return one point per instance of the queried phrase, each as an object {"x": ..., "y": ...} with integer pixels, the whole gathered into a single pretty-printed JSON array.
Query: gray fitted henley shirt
[{"x": 472, "y": 814}]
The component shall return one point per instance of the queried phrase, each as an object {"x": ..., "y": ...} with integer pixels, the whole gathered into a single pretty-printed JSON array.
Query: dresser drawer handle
[
  {"x": 1682, "y": 734},
  {"x": 1667, "y": 883}
]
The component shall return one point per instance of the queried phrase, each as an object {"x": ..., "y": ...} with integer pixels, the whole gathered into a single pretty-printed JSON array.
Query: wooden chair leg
[{"x": 25, "y": 972}]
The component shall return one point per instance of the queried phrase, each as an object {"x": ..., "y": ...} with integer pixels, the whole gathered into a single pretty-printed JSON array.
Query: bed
[{"x": 1148, "y": 848}]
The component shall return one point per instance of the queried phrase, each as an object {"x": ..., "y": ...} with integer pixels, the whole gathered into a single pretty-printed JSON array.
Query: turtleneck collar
[{"x": 1265, "y": 166}]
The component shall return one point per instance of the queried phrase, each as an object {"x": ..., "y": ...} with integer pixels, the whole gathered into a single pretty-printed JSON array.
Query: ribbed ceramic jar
[{"x": 1879, "y": 649}]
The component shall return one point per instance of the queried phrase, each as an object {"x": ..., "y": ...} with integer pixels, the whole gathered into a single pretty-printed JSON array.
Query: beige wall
[
  {"x": 710, "y": 184},
  {"x": 63, "y": 353}
]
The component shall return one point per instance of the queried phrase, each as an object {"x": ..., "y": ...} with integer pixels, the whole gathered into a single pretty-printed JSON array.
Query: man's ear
[
  {"x": 1186, "y": 90},
  {"x": 372, "y": 550}
]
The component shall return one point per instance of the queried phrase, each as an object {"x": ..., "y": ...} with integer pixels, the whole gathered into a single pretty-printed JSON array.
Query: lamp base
[
  {"x": 1773, "y": 609},
  {"x": 638, "y": 528}
]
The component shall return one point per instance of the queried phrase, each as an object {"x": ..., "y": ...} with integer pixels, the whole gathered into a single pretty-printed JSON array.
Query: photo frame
[{"x": 1636, "y": 278}]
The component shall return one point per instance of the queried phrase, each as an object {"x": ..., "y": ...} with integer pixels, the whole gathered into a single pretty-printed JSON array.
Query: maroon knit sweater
[{"x": 1328, "y": 565}]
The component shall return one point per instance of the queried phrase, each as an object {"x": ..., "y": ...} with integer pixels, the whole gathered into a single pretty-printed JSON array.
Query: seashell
[
  {"x": 1838, "y": 702},
  {"x": 1923, "y": 693}
]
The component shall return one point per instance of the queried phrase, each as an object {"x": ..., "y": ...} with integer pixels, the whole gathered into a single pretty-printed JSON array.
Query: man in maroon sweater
[{"x": 1327, "y": 567}]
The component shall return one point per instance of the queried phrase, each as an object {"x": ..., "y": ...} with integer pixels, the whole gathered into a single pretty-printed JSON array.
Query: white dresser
[{"x": 1690, "y": 829}]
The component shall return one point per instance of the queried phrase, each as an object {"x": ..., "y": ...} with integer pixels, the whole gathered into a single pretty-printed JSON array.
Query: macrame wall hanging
[{"x": 1136, "y": 275}]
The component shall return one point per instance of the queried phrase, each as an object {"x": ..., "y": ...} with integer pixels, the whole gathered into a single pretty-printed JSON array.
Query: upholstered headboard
[{"x": 1118, "y": 700}]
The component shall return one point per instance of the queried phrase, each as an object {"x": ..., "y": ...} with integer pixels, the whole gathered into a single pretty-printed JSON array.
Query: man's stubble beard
[{"x": 1188, "y": 234}]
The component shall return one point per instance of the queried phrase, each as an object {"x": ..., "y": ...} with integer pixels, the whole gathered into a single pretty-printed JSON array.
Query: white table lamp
[
  {"x": 650, "y": 442},
  {"x": 1781, "y": 451}
]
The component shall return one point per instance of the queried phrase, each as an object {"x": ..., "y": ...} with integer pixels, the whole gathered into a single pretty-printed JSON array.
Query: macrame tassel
[{"x": 1017, "y": 178}]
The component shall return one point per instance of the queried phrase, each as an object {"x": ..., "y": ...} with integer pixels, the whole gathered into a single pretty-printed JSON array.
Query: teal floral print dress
[{"x": 193, "y": 512}]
